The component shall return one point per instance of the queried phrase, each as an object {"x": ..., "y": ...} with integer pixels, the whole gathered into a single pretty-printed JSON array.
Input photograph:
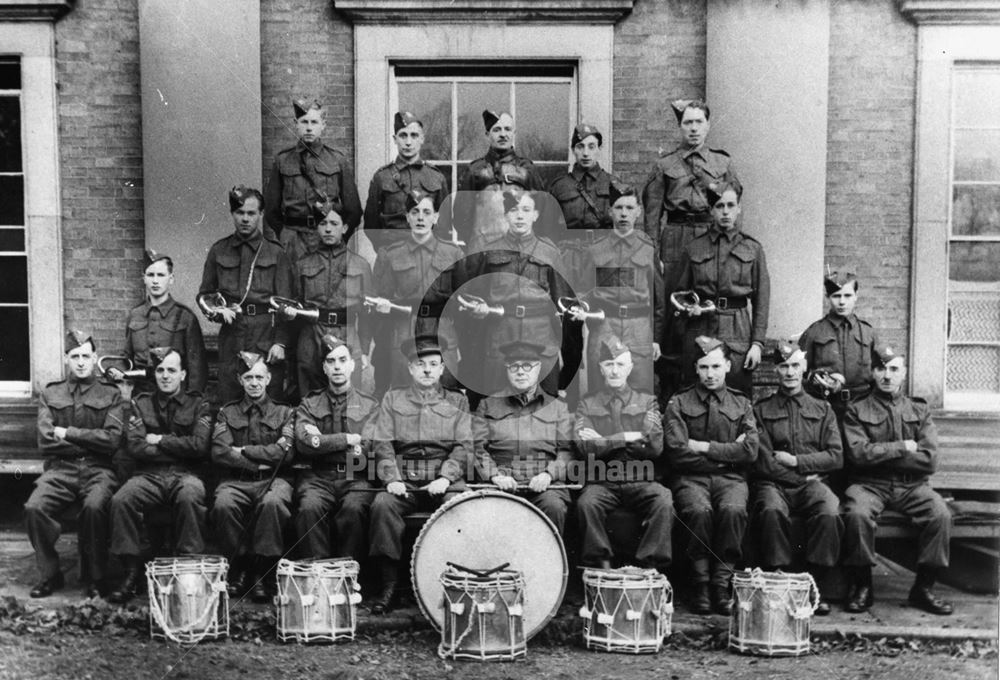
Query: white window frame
[{"x": 34, "y": 43}]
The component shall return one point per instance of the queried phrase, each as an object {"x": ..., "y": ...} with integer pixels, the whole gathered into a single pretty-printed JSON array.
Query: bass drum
[{"x": 484, "y": 529}]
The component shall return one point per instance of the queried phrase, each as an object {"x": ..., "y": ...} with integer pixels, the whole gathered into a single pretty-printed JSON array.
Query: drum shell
[
  {"x": 190, "y": 594},
  {"x": 317, "y": 600},
  {"x": 772, "y": 613},
  {"x": 614, "y": 594},
  {"x": 469, "y": 633}
]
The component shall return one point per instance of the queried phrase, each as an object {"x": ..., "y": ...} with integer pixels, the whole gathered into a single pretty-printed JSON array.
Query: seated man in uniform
[
  {"x": 800, "y": 444},
  {"x": 333, "y": 434},
  {"x": 619, "y": 432},
  {"x": 892, "y": 452},
  {"x": 168, "y": 436},
  {"x": 428, "y": 431},
  {"x": 252, "y": 447},
  {"x": 711, "y": 440},
  {"x": 523, "y": 435},
  {"x": 79, "y": 428}
]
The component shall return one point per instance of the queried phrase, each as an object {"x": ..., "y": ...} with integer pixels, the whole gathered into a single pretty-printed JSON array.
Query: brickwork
[
  {"x": 870, "y": 157},
  {"x": 100, "y": 147}
]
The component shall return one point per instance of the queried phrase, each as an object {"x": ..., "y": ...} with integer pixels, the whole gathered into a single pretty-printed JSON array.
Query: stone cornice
[
  {"x": 954, "y": 12},
  {"x": 477, "y": 11}
]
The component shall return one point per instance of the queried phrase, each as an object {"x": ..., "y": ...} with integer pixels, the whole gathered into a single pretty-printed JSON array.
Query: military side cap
[
  {"x": 239, "y": 195},
  {"x": 835, "y": 280},
  {"x": 680, "y": 106},
  {"x": 611, "y": 348},
  {"x": 150, "y": 256},
  {"x": 422, "y": 345},
  {"x": 158, "y": 354},
  {"x": 77, "y": 338},
  {"x": 321, "y": 209},
  {"x": 884, "y": 354},
  {"x": 330, "y": 342},
  {"x": 302, "y": 106},
  {"x": 245, "y": 361},
  {"x": 520, "y": 349},
  {"x": 714, "y": 191},
  {"x": 619, "y": 189},
  {"x": 512, "y": 198},
  {"x": 584, "y": 130},
  {"x": 402, "y": 119},
  {"x": 786, "y": 350},
  {"x": 708, "y": 345},
  {"x": 414, "y": 197},
  {"x": 490, "y": 118}
]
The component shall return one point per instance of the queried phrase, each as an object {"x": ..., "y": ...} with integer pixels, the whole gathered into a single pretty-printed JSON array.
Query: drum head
[{"x": 482, "y": 530}]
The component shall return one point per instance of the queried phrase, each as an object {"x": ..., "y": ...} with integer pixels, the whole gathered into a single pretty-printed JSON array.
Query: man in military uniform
[
  {"x": 623, "y": 281},
  {"x": 892, "y": 452},
  {"x": 334, "y": 279},
  {"x": 303, "y": 174},
  {"x": 387, "y": 195},
  {"x": 161, "y": 321},
  {"x": 727, "y": 268},
  {"x": 423, "y": 452},
  {"x": 583, "y": 195},
  {"x": 416, "y": 272},
  {"x": 711, "y": 442},
  {"x": 800, "y": 445},
  {"x": 839, "y": 347},
  {"x": 478, "y": 216},
  {"x": 619, "y": 432},
  {"x": 252, "y": 446},
  {"x": 246, "y": 268},
  {"x": 524, "y": 437},
  {"x": 79, "y": 428},
  {"x": 169, "y": 434},
  {"x": 333, "y": 431}
]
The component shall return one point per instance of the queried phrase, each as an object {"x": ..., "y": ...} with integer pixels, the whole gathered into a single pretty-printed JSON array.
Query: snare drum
[
  {"x": 483, "y": 616},
  {"x": 626, "y": 610},
  {"x": 317, "y": 600},
  {"x": 772, "y": 612},
  {"x": 188, "y": 601},
  {"x": 479, "y": 530}
]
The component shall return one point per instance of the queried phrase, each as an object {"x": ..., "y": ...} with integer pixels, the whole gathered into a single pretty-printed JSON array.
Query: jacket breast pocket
[
  {"x": 826, "y": 351},
  {"x": 328, "y": 179},
  {"x": 778, "y": 427},
  {"x": 227, "y": 267},
  {"x": 265, "y": 272},
  {"x": 312, "y": 283},
  {"x": 744, "y": 258}
]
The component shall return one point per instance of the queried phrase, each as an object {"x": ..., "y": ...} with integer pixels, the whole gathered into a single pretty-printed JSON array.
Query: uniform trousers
[
  {"x": 865, "y": 501},
  {"x": 65, "y": 481},
  {"x": 178, "y": 489},
  {"x": 554, "y": 504},
  {"x": 714, "y": 510},
  {"x": 773, "y": 505},
  {"x": 322, "y": 494},
  {"x": 389, "y": 511},
  {"x": 650, "y": 500},
  {"x": 239, "y": 506}
]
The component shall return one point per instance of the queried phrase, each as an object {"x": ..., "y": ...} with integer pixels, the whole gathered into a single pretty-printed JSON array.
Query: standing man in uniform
[
  {"x": 423, "y": 453},
  {"x": 800, "y": 445},
  {"x": 333, "y": 434},
  {"x": 246, "y": 268},
  {"x": 892, "y": 451},
  {"x": 79, "y": 429},
  {"x": 711, "y": 442},
  {"x": 523, "y": 436},
  {"x": 619, "y": 433},
  {"x": 252, "y": 447},
  {"x": 169, "y": 434},
  {"x": 677, "y": 208},
  {"x": 727, "y": 268},
  {"x": 303, "y": 174}
]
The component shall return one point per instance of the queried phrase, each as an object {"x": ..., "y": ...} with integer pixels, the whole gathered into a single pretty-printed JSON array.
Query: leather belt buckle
[
  {"x": 722, "y": 303},
  {"x": 250, "y": 310},
  {"x": 845, "y": 394},
  {"x": 424, "y": 310},
  {"x": 519, "y": 311},
  {"x": 331, "y": 318}
]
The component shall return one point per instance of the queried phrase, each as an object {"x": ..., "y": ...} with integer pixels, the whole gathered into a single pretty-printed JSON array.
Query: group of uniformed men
[{"x": 477, "y": 333}]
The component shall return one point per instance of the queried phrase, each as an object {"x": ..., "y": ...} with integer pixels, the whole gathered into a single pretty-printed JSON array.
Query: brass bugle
[
  {"x": 468, "y": 303},
  {"x": 294, "y": 307},
  {"x": 566, "y": 305},
  {"x": 371, "y": 301},
  {"x": 127, "y": 373}
]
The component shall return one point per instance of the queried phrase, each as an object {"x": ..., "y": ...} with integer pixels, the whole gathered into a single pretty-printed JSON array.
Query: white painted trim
[{"x": 35, "y": 43}]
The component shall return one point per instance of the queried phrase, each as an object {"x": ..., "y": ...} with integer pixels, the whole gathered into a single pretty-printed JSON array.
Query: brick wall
[
  {"x": 659, "y": 56},
  {"x": 100, "y": 146},
  {"x": 307, "y": 49},
  {"x": 870, "y": 157}
]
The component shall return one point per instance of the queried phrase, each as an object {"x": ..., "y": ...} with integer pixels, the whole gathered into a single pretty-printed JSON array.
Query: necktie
[{"x": 616, "y": 414}]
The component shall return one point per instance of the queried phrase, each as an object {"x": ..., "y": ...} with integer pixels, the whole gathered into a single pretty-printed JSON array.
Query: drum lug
[
  {"x": 632, "y": 615},
  {"x": 457, "y": 608},
  {"x": 282, "y": 600},
  {"x": 355, "y": 598},
  {"x": 486, "y": 607},
  {"x": 584, "y": 612},
  {"x": 605, "y": 619},
  {"x": 219, "y": 586},
  {"x": 746, "y": 605},
  {"x": 803, "y": 612},
  {"x": 667, "y": 608},
  {"x": 515, "y": 610},
  {"x": 308, "y": 600},
  {"x": 167, "y": 589},
  {"x": 338, "y": 599}
]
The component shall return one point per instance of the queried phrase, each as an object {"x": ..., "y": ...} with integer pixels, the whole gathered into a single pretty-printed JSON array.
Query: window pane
[
  {"x": 10, "y": 73},
  {"x": 13, "y": 279},
  {"x": 447, "y": 169},
  {"x": 974, "y": 316},
  {"x": 977, "y": 97},
  {"x": 12, "y": 240},
  {"x": 977, "y": 156},
  {"x": 543, "y": 120},
  {"x": 976, "y": 261},
  {"x": 473, "y": 99},
  {"x": 12, "y": 200},
  {"x": 975, "y": 211},
  {"x": 431, "y": 102},
  {"x": 10, "y": 134},
  {"x": 550, "y": 172},
  {"x": 15, "y": 354}
]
